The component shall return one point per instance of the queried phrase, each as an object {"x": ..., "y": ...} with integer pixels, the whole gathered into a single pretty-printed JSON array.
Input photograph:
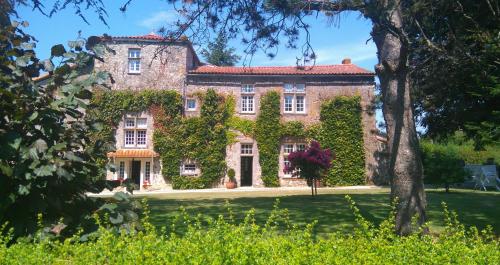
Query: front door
[
  {"x": 136, "y": 172},
  {"x": 246, "y": 170}
]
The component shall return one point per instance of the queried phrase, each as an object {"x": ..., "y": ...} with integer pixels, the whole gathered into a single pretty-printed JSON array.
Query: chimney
[{"x": 346, "y": 61}]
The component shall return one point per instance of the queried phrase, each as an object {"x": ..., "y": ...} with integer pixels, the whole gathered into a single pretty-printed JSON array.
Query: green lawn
[{"x": 330, "y": 208}]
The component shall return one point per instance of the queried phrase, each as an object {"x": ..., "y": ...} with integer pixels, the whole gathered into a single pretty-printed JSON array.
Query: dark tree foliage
[
  {"x": 454, "y": 58},
  {"x": 47, "y": 162},
  {"x": 218, "y": 53}
]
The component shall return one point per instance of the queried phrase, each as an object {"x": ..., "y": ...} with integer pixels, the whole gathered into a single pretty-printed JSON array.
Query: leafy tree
[
  {"x": 456, "y": 76},
  {"x": 218, "y": 53},
  {"x": 47, "y": 161},
  {"x": 310, "y": 164},
  {"x": 442, "y": 165}
]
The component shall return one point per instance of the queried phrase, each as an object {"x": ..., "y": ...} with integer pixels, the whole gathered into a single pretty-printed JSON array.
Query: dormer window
[{"x": 134, "y": 61}]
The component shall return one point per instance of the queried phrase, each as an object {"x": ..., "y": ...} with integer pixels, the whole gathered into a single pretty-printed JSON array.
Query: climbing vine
[
  {"x": 203, "y": 139},
  {"x": 268, "y": 136},
  {"x": 200, "y": 139},
  {"x": 342, "y": 132}
]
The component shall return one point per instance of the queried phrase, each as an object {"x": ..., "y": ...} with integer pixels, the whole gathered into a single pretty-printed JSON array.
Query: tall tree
[
  {"x": 218, "y": 53},
  {"x": 455, "y": 68},
  {"x": 262, "y": 23}
]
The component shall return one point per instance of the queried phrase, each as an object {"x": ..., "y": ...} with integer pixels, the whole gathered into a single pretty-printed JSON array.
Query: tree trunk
[{"x": 405, "y": 167}]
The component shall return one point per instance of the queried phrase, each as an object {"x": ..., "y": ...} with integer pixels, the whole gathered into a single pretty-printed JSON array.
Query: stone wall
[{"x": 162, "y": 67}]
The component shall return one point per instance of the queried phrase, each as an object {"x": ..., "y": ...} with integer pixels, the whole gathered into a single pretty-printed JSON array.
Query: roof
[
  {"x": 133, "y": 153},
  {"x": 153, "y": 38},
  {"x": 338, "y": 69},
  {"x": 150, "y": 36}
]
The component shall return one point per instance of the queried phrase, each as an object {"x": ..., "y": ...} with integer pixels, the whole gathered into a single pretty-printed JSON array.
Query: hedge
[
  {"x": 341, "y": 131},
  {"x": 279, "y": 241}
]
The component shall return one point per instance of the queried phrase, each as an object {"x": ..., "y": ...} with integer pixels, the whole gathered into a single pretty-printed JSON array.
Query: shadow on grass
[{"x": 332, "y": 210}]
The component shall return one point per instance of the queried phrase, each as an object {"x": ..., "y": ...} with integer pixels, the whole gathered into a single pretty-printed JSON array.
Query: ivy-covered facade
[{"x": 175, "y": 122}]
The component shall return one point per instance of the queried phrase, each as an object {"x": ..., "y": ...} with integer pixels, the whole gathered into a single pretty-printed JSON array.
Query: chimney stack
[{"x": 346, "y": 61}]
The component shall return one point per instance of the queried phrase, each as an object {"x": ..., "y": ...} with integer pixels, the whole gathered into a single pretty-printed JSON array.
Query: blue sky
[{"x": 332, "y": 43}]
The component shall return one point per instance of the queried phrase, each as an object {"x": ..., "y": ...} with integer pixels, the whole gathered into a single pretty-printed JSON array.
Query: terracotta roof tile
[
  {"x": 133, "y": 153},
  {"x": 339, "y": 69}
]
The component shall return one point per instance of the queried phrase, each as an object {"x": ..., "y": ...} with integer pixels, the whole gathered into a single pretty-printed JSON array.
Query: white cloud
[{"x": 158, "y": 19}]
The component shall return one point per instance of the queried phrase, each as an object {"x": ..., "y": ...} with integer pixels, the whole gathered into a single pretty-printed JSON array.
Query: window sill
[
  {"x": 290, "y": 177},
  {"x": 134, "y": 73},
  {"x": 191, "y": 110},
  {"x": 295, "y": 113},
  {"x": 247, "y": 113}
]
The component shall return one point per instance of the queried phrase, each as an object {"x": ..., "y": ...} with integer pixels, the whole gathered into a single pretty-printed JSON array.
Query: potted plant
[{"x": 231, "y": 183}]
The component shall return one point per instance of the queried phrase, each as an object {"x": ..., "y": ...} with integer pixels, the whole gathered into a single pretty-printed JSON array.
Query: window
[
  {"x": 288, "y": 103},
  {"x": 129, "y": 138},
  {"x": 147, "y": 172},
  {"x": 189, "y": 169},
  {"x": 191, "y": 104},
  {"x": 136, "y": 132},
  {"x": 295, "y": 100},
  {"x": 121, "y": 170},
  {"x": 299, "y": 104},
  {"x": 246, "y": 149},
  {"x": 141, "y": 138},
  {"x": 247, "y": 102},
  {"x": 287, "y": 149},
  {"x": 247, "y": 89},
  {"x": 134, "y": 60}
]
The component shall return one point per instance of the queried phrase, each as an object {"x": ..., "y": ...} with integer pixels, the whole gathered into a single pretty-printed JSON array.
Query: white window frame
[
  {"x": 147, "y": 171},
  {"x": 187, "y": 104},
  {"x": 134, "y": 60},
  {"x": 121, "y": 170},
  {"x": 294, "y": 90},
  {"x": 247, "y": 98},
  {"x": 246, "y": 149},
  {"x": 296, "y": 146},
  {"x": 132, "y": 125},
  {"x": 188, "y": 169}
]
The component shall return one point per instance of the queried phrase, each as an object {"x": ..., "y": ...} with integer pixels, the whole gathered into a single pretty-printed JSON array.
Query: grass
[{"x": 329, "y": 208}]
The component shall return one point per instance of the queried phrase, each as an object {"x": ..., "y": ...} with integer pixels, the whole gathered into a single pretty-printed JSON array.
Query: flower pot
[{"x": 230, "y": 185}]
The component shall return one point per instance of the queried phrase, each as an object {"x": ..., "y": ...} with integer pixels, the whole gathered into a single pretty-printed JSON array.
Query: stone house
[{"x": 151, "y": 62}]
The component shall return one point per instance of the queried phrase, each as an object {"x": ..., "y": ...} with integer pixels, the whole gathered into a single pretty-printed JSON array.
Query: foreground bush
[{"x": 222, "y": 241}]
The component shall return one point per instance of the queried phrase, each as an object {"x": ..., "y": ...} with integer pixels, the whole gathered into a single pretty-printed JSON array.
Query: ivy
[
  {"x": 341, "y": 131},
  {"x": 268, "y": 136},
  {"x": 204, "y": 139},
  {"x": 201, "y": 139}
]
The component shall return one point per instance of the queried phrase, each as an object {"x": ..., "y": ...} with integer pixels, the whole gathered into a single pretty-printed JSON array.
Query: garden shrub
[
  {"x": 341, "y": 131},
  {"x": 279, "y": 241},
  {"x": 268, "y": 136},
  {"x": 442, "y": 165}
]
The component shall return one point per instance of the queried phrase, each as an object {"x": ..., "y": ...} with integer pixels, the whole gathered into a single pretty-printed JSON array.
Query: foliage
[
  {"x": 202, "y": 139},
  {"x": 341, "y": 132},
  {"x": 47, "y": 160},
  {"x": 109, "y": 107},
  {"x": 218, "y": 53},
  {"x": 442, "y": 165},
  {"x": 456, "y": 78},
  {"x": 278, "y": 241},
  {"x": 310, "y": 164},
  {"x": 293, "y": 128},
  {"x": 268, "y": 136},
  {"x": 230, "y": 174}
]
